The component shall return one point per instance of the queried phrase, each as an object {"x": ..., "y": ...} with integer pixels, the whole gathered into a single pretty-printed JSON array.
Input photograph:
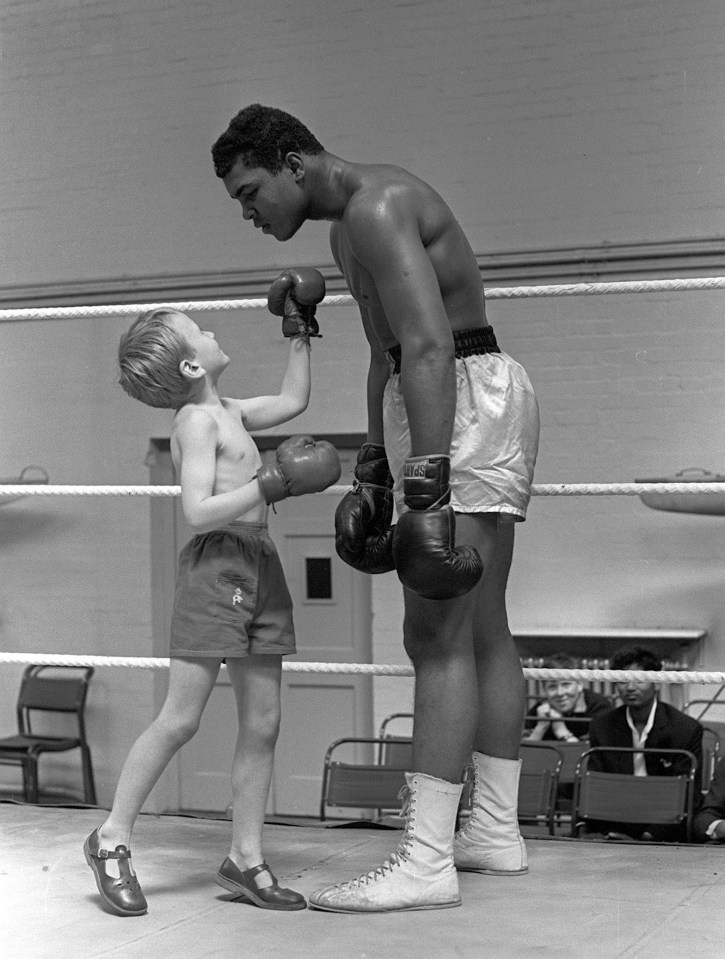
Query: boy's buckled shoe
[
  {"x": 123, "y": 893},
  {"x": 242, "y": 884}
]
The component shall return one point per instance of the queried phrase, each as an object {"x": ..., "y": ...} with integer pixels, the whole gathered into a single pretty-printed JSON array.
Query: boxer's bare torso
[{"x": 399, "y": 195}]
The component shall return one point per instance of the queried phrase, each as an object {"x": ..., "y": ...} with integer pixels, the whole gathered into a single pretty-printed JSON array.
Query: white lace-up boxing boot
[
  {"x": 420, "y": 874},
  {"x": 490, "y": 842}
]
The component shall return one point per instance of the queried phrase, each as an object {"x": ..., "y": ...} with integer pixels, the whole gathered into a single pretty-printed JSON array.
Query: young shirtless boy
[{"x": 232, "y": 603}]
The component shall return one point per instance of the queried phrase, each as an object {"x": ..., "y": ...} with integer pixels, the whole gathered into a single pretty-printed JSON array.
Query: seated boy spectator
[
  {"x": 565, "y": 713},
  {"x": 642, "y": 721},
  {"x": 710, "y": 821}
]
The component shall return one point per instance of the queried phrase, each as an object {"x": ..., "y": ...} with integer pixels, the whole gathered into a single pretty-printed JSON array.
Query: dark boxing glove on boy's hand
[
  {"x": 294, "y": 296},
  {"x": 363, "y": 534},
  {"x": 426, "y": 558}
]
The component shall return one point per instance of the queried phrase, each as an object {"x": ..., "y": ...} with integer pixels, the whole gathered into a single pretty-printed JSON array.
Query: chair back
[
  {"x": 626, "y": 798},
  {"x": 706, "y": 710},
  {"x": 397, "y": 749},
  {"x": 538, "y": 781},
  {"x": 362, "y": 785},
  {"x": 404, "y": 719},
  {"x": 710, "y": 755},
  {"x": 53, "y": 689},
  {"x": 570, "y": 754}
]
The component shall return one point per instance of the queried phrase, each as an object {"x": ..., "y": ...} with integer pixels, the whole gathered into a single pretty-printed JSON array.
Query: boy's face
[
  {"x": 207, "y": 352},
  {"x": 273, "y": 202}
]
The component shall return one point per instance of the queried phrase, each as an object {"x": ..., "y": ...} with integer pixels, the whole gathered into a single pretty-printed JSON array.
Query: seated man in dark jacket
[
  {"x": 642, "y": 721},
  {"x": 710, "y": 821},
  {"x": 568, "y": 708}
]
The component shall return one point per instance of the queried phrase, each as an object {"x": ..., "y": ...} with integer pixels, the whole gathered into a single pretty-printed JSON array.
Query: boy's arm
[
  {"x": 196, "y": 435},
  {"x": 260, "y": 412}
]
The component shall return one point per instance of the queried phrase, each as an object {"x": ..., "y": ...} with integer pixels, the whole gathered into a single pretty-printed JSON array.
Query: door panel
[{"x": 332, "y": 612}]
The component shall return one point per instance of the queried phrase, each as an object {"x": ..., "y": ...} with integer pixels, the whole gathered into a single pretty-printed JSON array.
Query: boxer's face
[{"x": 273, "y": 202}]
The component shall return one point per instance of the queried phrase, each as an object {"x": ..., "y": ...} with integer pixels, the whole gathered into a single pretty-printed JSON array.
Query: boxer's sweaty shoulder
[{"x": 389, "y": 200}]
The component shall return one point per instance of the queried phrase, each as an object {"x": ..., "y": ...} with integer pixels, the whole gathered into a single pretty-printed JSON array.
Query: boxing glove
[
  {"x": 363, "y": 534},
  {"x": 301, "y": 466},
  {"x": 294, "y": 296},
  {"x": 425, "y": 556}
]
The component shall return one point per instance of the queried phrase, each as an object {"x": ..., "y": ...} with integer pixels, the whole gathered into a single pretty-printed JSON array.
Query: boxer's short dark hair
[{"x": 262, "y": 137}]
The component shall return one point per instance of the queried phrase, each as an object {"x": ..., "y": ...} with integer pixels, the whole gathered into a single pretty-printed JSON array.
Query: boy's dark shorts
[{"x": 231, "y": 596}]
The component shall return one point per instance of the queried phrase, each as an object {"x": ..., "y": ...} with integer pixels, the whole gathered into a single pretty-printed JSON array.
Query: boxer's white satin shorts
[{"x": 495, "y": 436}]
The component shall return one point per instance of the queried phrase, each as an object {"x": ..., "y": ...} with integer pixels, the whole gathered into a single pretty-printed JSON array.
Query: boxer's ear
[{"x": 296, "y": 164}]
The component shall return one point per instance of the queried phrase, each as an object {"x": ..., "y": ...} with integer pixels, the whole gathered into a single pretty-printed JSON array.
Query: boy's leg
[
  {"x": 190, "y": 685},
  {"x": 256, "y": 681},
  {"x": 107, "y": 849}
]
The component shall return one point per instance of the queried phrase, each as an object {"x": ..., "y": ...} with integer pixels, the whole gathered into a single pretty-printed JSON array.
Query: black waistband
[{"x": 466, "y": 342}]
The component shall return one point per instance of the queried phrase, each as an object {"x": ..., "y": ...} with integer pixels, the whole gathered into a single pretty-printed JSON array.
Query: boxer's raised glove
[
  {"x": 425, "y": 556},
  {"x": 301, "y": 466},
  {"x": 363, "y": 534},
  {"x": 294, "y": 296}
]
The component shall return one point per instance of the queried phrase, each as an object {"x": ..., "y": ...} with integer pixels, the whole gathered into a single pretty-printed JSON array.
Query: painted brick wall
[{"x": 545, "y": 123}]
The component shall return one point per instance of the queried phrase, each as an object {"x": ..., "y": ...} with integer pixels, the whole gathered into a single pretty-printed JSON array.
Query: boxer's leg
[{"x": 490, "y": 842}]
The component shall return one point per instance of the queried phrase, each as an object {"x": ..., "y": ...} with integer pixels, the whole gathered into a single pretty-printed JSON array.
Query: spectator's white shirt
[{"x": 640, "y": 741}]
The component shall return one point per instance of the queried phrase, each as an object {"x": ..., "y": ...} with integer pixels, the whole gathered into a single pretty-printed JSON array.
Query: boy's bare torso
[
  {"x": 237, "y": 458},
  {"x": 439, "y": 232}
]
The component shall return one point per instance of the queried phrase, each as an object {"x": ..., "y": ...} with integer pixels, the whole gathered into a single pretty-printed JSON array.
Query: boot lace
[{"x": 400, "y": 855}]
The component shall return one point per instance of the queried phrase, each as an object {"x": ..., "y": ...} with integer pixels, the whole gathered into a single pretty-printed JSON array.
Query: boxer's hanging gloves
[
  {"x": 363, "y": 534},
  {"x": 425, "y": 556},
  {"x": 294, "y": 296},
  {"x": 301, "y": 466}
]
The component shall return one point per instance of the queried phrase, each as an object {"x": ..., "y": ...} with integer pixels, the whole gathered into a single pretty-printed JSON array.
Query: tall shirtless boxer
[{"x": 453, "y": 430}]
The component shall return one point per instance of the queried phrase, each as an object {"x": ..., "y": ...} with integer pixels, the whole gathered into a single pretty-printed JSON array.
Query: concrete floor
[{"x": 581, "y": 900}]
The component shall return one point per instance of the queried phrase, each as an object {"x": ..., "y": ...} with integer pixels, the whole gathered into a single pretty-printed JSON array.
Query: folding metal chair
[
  {"x": 49, "y": 690},
  {"x": 626, "y": 798},
  {"x": 360, "y": 785},
  {"x": 710, "y": 755},
  {"x": 540, "y": 769}
]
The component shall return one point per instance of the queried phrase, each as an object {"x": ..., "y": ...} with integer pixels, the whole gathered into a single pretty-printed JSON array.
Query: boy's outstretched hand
[{"x": 301, "y": 466}]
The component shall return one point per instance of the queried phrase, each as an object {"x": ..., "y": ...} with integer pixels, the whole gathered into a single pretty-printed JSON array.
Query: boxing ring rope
[
  {"x": 540, "y": 489},
  {"x": 678, "y": 677},
  {"x": 344, "y": 299}
]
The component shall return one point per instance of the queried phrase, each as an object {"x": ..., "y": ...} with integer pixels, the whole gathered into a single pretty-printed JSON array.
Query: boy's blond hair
[{"x": 149, "y": 356}]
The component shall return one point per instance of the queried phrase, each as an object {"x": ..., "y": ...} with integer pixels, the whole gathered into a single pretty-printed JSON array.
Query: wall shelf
[{"x": 674, "y": 643}]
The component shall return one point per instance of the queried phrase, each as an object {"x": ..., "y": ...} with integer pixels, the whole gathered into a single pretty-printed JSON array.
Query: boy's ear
[{"x": 191, "y": 370}]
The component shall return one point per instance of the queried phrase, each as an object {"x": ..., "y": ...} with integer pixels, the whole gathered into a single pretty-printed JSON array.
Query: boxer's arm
[
  {"x": 378, "y": 375},
  {"x": 385, "y": 238}
]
